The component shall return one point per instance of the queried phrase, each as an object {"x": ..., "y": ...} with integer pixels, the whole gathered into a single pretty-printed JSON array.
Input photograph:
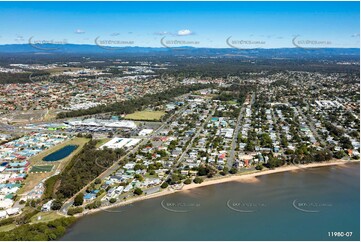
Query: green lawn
[
  {"x": 147, "y": 175},
  {"x": 101, "y": 142},
  {"x": 7, "y": 227},
  {"x": 232, "y": 102},
  {"x": 45, "y": 217},
  {"x": 41, "y": 168},
  {"x": 146, "y": 115}
]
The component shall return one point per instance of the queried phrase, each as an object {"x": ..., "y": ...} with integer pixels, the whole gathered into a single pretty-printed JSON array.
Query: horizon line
[{"x": 185, "y": 46}]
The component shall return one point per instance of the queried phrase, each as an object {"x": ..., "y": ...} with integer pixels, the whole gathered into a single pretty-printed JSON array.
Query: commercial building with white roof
[{"x": 117, "y": 143}]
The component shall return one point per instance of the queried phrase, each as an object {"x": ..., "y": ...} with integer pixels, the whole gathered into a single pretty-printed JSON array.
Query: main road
[
  {"x": 231, "y": 157},
  {"x": 196, "y": 135}
]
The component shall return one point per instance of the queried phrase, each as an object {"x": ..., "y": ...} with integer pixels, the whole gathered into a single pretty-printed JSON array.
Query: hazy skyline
[{"x": 198, "y": 24}]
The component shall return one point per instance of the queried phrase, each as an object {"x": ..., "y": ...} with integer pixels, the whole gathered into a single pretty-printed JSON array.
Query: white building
[
  {"x": 145, "y": 132},
  {"x": 3, "y": 214},
  {"x": 117, "y": 143},
  {"x": 12, "y": 211},
  {"x": 47, "y": 206},
  {"x": 6, "y": 203}
]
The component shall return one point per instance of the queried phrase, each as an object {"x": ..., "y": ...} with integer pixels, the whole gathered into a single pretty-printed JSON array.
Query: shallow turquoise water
[{"x": 302, "y": 205}]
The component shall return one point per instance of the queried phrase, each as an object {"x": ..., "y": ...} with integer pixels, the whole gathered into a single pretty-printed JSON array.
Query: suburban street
[
  {"x": 231, "y": 157},
  {"x": 312, "y": 127}
]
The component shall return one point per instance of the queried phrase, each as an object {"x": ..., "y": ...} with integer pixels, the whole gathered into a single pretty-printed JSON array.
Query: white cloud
[
  {"x": 184, "y": 32},
  {"x": 79, "y": 31}
]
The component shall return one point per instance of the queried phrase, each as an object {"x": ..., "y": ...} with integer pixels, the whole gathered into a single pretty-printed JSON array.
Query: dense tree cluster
[
  {"x": 7, "y": 77},
  {"x": 39, "y": 231},
  {"x": 79, "y": 199},
  {"x": 304, "y": 155},
  {"x": 49, "y": 185},
  {"x": 85, "y": 167},
  {"x": 94, "y": 205},
  {"x": 197, "y": 180},
  {"x": 133, "y": 105},
  {"x": 138, "y": 191},
  {"x": 75, "y": 210}
]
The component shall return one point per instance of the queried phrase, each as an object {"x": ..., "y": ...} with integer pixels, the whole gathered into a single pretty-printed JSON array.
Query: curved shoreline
[{"x": 249, "y": 177}]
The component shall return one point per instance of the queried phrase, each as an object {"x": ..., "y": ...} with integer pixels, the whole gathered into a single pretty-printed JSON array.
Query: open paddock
[{"x": 146, "y": 115}]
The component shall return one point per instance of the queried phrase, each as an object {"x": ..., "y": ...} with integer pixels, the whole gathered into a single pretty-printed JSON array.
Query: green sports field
[
  {"x": 41, "y": 169},
  {"x": 145, "y": 115}
]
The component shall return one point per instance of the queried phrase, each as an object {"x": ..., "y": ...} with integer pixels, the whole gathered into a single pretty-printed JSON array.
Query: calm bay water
[{"x": 302, "y": 205}]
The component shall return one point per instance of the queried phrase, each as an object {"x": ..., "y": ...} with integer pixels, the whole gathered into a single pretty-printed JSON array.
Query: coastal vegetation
[
  {"x": 75, "y": 210},
  {"x": 138, "y": 191},
  {"x": 93, "y": 205},
  {"x": 164, "y": 185},
  {"x": 198, "y": 180},
  {"x": 39, "y": 231}
]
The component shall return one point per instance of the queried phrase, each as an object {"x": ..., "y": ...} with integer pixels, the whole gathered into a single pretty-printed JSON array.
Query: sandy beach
[{"x": 248, "y": 178}]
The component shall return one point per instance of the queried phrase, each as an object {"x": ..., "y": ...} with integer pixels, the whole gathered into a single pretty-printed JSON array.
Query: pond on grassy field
[{"x": 60, "y": 154}]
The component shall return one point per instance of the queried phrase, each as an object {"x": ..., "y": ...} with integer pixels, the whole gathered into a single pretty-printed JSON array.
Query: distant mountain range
[{"x": 179, "y": 51}]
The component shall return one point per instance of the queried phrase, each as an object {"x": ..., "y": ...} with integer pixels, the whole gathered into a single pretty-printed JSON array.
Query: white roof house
[
  {"x": 6, "y": 203},
  {"x": 128, "y": 188},
  {"x": 129, "y": 165},
  {"x": 47, "y": 206},
  {"x": 145, "y": 132},
  {"x": 3, "y": 214},
  {"x": 12, "y": 211}
]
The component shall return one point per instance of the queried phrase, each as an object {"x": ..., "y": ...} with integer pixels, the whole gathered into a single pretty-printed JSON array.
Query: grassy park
[
  {"x": 146, "y": 115},
  {"x": 45, "y": 217}
]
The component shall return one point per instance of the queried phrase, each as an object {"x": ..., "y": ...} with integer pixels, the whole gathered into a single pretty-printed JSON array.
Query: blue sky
[{"x": 198, "y": 24}]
